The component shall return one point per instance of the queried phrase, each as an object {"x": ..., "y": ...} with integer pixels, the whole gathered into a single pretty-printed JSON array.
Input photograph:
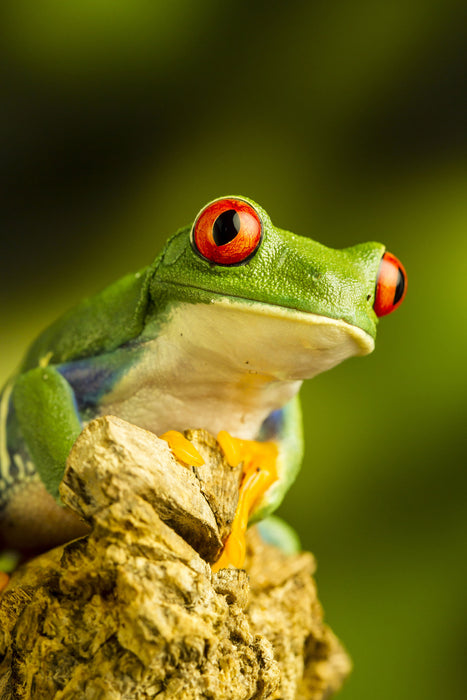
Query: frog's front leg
[
  {"x": 269, "y": 468},
  {"x": 41, "y": 422},
  {"x": 48, "y": 419}
]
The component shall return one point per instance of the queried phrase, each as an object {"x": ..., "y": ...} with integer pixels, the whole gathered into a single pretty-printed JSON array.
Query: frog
[{"x": 218, "y": 332}]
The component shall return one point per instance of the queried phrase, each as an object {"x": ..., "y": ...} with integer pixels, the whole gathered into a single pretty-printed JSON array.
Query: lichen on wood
[{"x": 133, "y": 610}]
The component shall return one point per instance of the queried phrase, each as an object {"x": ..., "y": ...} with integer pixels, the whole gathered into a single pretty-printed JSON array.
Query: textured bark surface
[{"x": 133, "y": 610}]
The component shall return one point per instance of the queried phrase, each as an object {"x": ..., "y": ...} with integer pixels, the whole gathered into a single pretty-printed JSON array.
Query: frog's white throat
[{"x": 228, "y": 364}]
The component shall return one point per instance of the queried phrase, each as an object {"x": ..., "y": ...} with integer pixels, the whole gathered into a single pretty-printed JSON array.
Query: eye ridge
[{"x": 226, "y": 227}]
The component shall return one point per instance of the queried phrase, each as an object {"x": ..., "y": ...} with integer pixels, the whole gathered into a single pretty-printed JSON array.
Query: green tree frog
[{"x": 217, "y": 333}]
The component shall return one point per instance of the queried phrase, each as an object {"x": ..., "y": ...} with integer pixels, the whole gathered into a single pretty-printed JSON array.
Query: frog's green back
[{"x": 98, "y": 324}]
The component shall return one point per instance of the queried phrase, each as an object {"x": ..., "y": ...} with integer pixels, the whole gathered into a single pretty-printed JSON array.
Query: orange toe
[
  {"x": 182, "y": 448},
  {"x": 259, "y": 472}
]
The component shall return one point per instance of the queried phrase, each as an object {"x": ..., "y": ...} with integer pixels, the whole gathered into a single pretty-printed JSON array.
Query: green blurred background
[{"x": 345, "y": 121}]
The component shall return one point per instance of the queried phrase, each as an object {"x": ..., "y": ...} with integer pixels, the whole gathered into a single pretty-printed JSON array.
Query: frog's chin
[
  {"x": 272, "y": 341},
  {"x": 227, "y": 364}
]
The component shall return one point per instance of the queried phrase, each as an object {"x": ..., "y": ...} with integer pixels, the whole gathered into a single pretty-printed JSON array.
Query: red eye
[
  {"x": 227, "y": 232},
  {"x": 391, "y": 285}
]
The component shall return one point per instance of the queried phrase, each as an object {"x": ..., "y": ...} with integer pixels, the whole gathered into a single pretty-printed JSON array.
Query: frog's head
[{"x": 328, "y": 300}]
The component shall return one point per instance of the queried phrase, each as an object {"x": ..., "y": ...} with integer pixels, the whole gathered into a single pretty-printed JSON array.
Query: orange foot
[
  {"x": 259, "y": 472},
  {"x": 182, "y": 448},
  {"x": 4, "y": 578}
]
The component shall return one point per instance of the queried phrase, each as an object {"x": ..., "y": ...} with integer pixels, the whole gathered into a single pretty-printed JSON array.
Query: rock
[
  {"x": 133, "y": 610},
  {"x": 219, "y": 482},
  {"x": 113, "y": 460}
]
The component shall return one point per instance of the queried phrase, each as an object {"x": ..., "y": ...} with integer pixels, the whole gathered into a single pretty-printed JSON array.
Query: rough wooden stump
[{"x": 133, "y": 610}]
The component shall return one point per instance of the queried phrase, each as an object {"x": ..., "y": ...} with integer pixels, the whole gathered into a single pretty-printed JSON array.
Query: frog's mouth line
[{"x": 364, "y": 342}]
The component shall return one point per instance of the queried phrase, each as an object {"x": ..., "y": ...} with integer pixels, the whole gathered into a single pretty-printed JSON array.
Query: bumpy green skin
[{"x": 288, "y": 271}]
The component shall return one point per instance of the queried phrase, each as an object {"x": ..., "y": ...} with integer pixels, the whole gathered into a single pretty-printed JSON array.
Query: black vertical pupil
[
  {"x": 399, "y": 287},
  {"x": 226, "y": 227}
]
